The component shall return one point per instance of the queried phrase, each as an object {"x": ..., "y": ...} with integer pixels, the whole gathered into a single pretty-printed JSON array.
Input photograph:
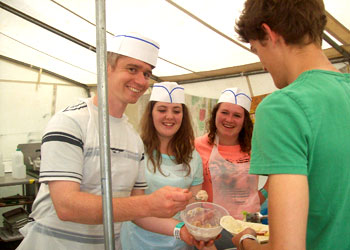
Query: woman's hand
[{"x": 190, "y": 240}]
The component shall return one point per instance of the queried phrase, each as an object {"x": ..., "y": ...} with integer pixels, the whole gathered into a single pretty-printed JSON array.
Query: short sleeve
[
  {"x": 280, "y": 138},
  {"x": 62, "y": 150}
]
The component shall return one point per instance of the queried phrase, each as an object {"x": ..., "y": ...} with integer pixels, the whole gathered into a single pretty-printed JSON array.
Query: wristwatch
[
  {"x": 246, "y": 236},
  {"x": 177, "y": 230}
]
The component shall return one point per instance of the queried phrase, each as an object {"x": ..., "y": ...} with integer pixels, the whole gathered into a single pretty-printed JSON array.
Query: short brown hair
[
  {"x": 182, "y": 143},
  {"x": 300, "y": 22},
  {"x": 112, "y": 58},
  {"x": 245, "y": 135}
]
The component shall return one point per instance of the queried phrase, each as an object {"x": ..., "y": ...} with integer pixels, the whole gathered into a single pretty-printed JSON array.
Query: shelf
[
  {"x": 28, "y": 190},
  {"x": 7, "y": 180},
  {"x": 17, "y": 204},
  {"x": 7, "y": 236}
]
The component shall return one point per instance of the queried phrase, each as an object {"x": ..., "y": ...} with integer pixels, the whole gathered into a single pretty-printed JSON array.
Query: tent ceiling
[{"x": 197, "y": 37}]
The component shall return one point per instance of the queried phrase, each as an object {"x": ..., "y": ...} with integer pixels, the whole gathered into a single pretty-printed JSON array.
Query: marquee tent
[{"x": 197, "y": 38}]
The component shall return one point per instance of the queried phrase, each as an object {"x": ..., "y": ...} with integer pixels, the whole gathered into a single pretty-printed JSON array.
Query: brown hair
[
  {"x": 182, "y": 143},
  {"x": 245, "y": 135},
  {"x": 300, "y": 22},
  {"x": 112, "y": 58}
]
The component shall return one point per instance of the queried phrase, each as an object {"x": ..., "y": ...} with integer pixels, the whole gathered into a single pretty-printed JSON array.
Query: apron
[{"x": 233, "y": 187}]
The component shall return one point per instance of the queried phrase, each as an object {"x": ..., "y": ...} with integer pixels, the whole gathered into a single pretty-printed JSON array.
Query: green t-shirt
[{"x": 305, "y": 129}]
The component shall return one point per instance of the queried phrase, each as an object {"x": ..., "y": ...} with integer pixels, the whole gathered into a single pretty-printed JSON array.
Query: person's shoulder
[
  {"x": 202, "y": 144},
  {"x": 201, "y": 139},
  {"x": 195, "y": 154},
  {"x": 79, "y": 110},
  {"x": 75, "y": 115},
  {"x": 278, "y": 98}
]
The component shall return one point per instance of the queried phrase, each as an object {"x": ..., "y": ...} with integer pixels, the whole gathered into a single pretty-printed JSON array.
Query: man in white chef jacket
[{"x": 67, "y": 211}]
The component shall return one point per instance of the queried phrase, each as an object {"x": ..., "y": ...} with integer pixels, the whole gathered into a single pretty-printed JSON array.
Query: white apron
[{"x": 233, "y": 187}]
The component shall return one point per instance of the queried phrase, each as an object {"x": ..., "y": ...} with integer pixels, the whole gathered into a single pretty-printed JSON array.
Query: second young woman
[{"x": 171, "y": 159}]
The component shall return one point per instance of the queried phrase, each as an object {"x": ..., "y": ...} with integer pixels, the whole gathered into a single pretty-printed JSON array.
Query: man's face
[
  {"x": 128, "y": 80},
  {"x": 272, "y": 61}
]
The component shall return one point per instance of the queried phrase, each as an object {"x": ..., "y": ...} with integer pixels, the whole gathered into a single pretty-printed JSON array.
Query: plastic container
[
  {"x": 2, "y": 167},
  {"x": 202, "y": 219},
  {"x": 18, "y": 167}
]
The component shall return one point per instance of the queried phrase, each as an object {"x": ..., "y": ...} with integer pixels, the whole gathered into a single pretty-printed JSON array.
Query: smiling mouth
[
  {"x": 228, "y": 126},
  {"x": 134, "y": 90},
  {"x": 168, "y": 124}
]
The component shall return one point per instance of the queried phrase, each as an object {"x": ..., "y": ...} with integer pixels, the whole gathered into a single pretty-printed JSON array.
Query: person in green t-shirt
[{"x": 301, "y": 137}]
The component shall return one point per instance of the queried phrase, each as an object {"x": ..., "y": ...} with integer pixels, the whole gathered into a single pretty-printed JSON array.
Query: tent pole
[
  {"x": 103, "y": 115},
  {"x": 336, "y": 46}
]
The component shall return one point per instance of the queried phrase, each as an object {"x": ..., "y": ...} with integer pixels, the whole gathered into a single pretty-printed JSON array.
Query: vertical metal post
[{"x": 103, "y": 118}]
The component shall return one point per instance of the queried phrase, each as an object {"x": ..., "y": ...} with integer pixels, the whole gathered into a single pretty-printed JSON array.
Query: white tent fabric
[{"x": 188, "y": 44}]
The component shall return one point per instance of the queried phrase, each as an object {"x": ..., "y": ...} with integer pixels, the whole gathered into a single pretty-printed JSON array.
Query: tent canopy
[{"x": 197, "y": 38}]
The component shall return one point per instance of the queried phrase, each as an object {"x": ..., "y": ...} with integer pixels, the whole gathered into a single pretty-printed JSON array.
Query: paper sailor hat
[
  {"x": 135, "y": 46},
  {"x": 236, "y": 96},
  {"x": 169, "y": 92}
]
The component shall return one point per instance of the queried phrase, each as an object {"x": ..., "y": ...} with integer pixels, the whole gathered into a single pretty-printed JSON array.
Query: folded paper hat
[
  {"x": 135, "y": 46},
  {"x": 169, "y": 92},
  {"x": 236, "y": 96}
]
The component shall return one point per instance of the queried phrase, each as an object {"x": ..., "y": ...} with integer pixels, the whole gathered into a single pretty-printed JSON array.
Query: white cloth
[
  {"x": 70, "y": 152},
  {"x": 136, "y": 46},
  {"x": 169, "y": 92},
  {"x": 236, "y": 96}
]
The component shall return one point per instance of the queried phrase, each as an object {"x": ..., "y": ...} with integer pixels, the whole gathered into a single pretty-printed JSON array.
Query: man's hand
[{"x": 167, "y": 201}]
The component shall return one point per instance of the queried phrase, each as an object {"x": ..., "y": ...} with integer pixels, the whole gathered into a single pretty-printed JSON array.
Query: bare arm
[
  {"x": 166, "y": 225},
  {"x": 162, "y": 225},
  {"x": 288, "y": 209},
  {"x": 73, "y": 205}
]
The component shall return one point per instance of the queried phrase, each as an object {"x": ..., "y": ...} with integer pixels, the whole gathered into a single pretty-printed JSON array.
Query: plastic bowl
[{"x": 202, "y": 219}]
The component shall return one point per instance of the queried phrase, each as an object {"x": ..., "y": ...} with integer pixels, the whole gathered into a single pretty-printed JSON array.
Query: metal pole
[{"x": 103, "y": 118}]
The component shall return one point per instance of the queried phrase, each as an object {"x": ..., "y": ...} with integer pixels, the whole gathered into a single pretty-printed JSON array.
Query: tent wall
[{"x": 28, "y": 99}]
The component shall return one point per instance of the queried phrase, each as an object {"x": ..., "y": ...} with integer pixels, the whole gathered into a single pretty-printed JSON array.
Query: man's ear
[
  {"x": 270, "y": 34},
  {"x": 109, "y": 68}
]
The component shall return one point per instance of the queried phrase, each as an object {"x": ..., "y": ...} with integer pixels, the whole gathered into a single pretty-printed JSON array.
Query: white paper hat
[
  {"x": 169, "y": 92},
  {"x": 236, "y": 96},
  {"x": 135, "y": 46}
]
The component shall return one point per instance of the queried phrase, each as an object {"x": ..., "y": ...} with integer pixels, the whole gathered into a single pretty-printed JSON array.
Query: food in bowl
[{"x": 202, "y": 220}]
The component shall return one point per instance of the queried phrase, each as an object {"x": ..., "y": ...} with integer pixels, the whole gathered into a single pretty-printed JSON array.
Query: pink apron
[{"x": 233, "y": 187}]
